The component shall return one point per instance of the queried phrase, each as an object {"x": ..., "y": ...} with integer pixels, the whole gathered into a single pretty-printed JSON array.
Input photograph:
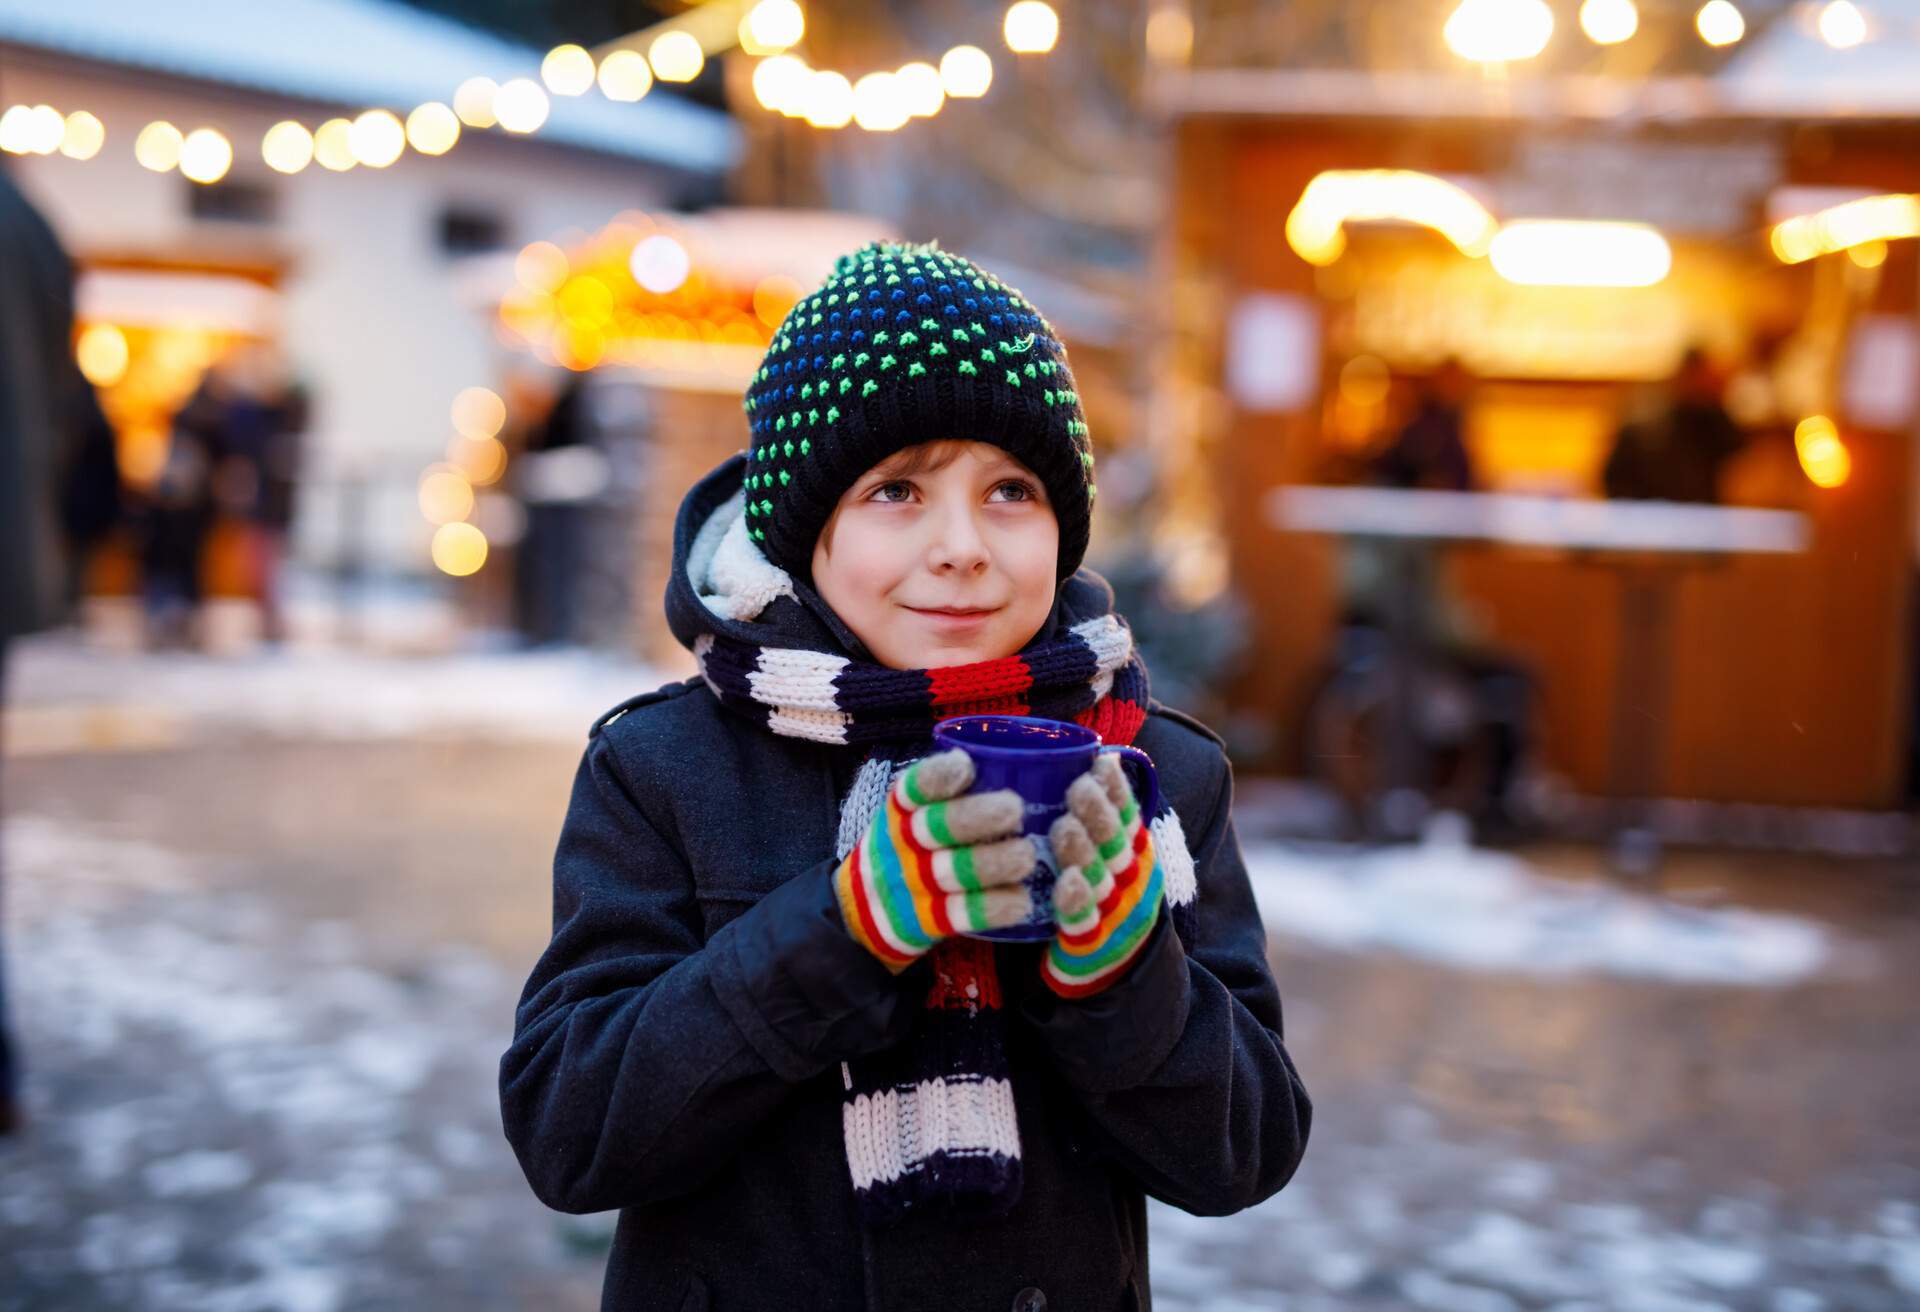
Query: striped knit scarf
[{"x": 932, "y": 1119}]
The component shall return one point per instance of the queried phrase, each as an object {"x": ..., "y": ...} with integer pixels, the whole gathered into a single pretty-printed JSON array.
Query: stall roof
[
  {"x": 1783, "y": 71},
  {"x": 1789, "y": 70},
  {"x": 357, "y": 53}
]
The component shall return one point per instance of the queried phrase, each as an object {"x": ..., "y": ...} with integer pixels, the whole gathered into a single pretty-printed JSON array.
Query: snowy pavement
[{"x": 262, "y": 957}]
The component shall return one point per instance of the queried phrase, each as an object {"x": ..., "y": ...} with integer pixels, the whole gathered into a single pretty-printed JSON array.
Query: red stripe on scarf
[
  {"x": 961, "y": 963},
  {"x": 983, "y": 686},
  {"x": 1114, "y": 720}
]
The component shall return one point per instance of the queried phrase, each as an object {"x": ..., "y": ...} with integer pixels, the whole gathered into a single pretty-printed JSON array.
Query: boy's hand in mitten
[
  {"x": 1110, "y": 888},
  {"x": 925, "y": 870}
]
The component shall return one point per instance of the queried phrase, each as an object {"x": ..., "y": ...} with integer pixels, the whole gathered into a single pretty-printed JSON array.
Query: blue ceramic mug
[{"x": 1038, "y": 758}]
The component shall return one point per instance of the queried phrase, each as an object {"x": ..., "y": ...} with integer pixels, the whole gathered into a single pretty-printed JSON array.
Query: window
[
  {"x": 469, "y": 230},
  {"x": 231, "y": 200}
]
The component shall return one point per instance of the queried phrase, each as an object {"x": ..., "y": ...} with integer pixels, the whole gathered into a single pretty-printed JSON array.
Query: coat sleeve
[
  {"x": 642, "y": 1058},
  {"x": 1180, "y": 1066}
]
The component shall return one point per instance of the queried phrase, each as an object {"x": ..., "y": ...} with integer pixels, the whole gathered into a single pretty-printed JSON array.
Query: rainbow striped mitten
[
  {"x": 1110, "y": 887},
  {"x": 923, "y": 870}
]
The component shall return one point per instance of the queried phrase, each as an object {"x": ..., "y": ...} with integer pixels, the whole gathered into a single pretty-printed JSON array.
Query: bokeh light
[
  {"x": 82, "y": 135},
  {"x": 676, "y": 56},
  {"x": 1842, "y": 25},
  {"x": 774, "y": 296},
  {"x": 205, "y": 155},
  {"x": 1170, "y": 35},
  {"x": 625, "y": 75},
  {"x": 878, "y": 103},
  {"x": 966, "y": 72},
  {"x": 333, "y": 145},
  {"x": 1868, "y": 254},
  {"x": 920, "y": 88},
  {"x": 433, "y": 128},
  {"x": 102, "y": 354},
  {"x": 1720, "y": 23},
  {"x": 780, "y": 84},
  {"x": 16, "y": 129},
  {"x": 459, "y": 549},
  {"x": 1499, "y": 31},
  {"x": 287, "y": 147},
  {"x": 771, "y": 26},
  {"x": 1030, "y": 27},
  {"x": 480, "y": 460},
  {"x": 660, "y": 264},
  {"x": 1824, "y": 458},
  {"x": 45, "y": 128},
  {"x": 520, "y": 105},
  {"x": 541, "y": 266},
  {"x": 1609, "y": 22},
  {"x": 473, "y": 102},
  {"x": 567, "y": 70},
  {"x": 445, "y": 495},
  {"x": 1580, "y": 253},
  {"x": 478, "y": 412},
  {"x": 377, "y": 138},
  {"x": 158, "y": 146},
  {"x": 828, "y": 100}
]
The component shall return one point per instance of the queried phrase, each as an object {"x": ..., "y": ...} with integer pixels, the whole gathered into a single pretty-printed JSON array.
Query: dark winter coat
[
  {"x": 39, "y": 388},
  {"x": 677, "y": 1048}
]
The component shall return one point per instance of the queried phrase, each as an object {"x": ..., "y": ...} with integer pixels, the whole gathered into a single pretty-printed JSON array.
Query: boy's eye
[{"x": 883, "y": 491}]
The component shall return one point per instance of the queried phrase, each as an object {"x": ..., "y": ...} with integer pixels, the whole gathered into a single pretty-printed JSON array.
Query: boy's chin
[{"x": 920, "y": 652}]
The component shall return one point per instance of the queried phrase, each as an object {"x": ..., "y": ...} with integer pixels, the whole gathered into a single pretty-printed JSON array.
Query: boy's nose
[{"x": 957, "y": 542}]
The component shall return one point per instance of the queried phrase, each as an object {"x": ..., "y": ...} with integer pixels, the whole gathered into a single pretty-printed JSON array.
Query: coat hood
[{"x": 722, "y": 583}]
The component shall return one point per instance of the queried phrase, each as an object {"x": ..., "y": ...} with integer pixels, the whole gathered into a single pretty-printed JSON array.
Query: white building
[{"x": 377, "y": 283}]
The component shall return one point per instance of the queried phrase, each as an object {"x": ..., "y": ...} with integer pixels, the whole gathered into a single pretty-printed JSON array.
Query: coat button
[{"x": 1029, "y": 1300}]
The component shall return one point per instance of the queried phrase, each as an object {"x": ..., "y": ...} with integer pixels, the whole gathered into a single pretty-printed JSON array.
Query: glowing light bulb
[
  {"x": 567, "y": 70},
  {"x": 158, "y": 146},
  {"x": 1030, "y": 27},
  {"x": 625, "y": 76},
  {"x": 82, "y": 135},
  {"x": 287, "y": 147},
  {"x": 1609, "y": 22},
  {"x": 676, "y": 56},
  {"x": 205, "y": 155},
  {"x": 1720, "y": 23},
  {"x": 433, "y": 129},
  {"x": 377, "y": 138},
  {"x": 1499, "y": 31},
  {"x": 966, "y": 72}
]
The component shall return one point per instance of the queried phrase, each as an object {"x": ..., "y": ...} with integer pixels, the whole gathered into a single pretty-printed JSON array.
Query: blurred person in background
[
  {"x": 175, "y": 515},
  {"x": 259, "y": 430},
  {"x": 1676, "y": 446},
  {"x": 558, "y": 477},
  {"x": 1431, "y": 449},
  {"x": 43, "y": 421}
]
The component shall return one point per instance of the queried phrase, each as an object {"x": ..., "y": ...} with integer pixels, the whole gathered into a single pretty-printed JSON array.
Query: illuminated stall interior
[{"x": 1567, "y": 265}]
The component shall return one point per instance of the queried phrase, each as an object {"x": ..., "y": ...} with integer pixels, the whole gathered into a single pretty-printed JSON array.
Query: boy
[{"x": 761, "y": 1029}]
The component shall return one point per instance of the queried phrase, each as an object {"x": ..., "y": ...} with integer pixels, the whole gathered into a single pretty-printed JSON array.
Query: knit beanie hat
[{"x": 906, "y": 344}]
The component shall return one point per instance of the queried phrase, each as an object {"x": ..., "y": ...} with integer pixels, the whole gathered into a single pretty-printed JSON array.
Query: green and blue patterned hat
[{"x": 906, "y": 344}]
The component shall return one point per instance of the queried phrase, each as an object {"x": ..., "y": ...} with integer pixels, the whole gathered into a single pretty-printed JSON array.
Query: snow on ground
[
  {"x": 67, "y": 696},
  {"x": 231, "y": 1110},
  {"x": 236, "y": 1111},
  {"x": 1412, "y": 1220},
  {"x": 1474, "y": 909}
]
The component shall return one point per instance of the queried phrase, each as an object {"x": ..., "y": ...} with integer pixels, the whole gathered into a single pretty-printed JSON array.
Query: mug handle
[{"x": 1140, "y": 765}]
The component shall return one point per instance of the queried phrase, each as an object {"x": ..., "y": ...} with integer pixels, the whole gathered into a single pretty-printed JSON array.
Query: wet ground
[{"x": 262, "y": 967}]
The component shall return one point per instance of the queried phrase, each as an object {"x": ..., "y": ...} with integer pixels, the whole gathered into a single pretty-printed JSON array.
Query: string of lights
[{"x": 378, "y": 138}]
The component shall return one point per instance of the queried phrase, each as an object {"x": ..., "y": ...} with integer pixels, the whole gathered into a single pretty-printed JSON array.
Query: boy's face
[{"x": 947, "y": 526}]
